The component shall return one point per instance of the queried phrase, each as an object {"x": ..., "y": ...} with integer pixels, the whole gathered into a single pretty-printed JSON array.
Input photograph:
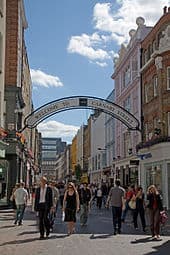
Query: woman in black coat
[{"x": 155, "y": 207}]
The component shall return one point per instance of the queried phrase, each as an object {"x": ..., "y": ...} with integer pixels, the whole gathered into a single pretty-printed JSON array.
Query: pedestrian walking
[
  {"x": 99, "y": 197},
  {"x": 53, "y": 211},
  {"x": 105, "y": 192},
  {"x": 33, "y": 197},
  {"x": 115, "y": 198},
  {"x": 12, "y": 199},
  {"x": 93, "y": 190},
  {"x": 43, "y": 204},
  {"x": 128, "y": 196},
  {"x": 70, "y": 207},
  {"x": 85, "y": 197},
  {"x": 21, "y": 198},
  {"x": 140, "y": 209},
  {"x": 61, "y": 193},
  {"x": 155, "y": 208}
]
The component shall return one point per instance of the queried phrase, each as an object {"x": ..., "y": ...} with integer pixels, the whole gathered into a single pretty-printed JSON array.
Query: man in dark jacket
[
  {"x": 84, "y": 196},
  {"x": 43, "y": 204}
]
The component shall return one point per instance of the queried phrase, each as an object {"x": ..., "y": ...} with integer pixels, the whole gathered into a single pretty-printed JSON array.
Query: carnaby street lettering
[
  {"x": 82, "y": 102},
  {"x": 50, "y": 109}
]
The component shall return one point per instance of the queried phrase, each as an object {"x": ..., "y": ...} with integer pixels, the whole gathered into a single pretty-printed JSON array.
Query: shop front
[
  {"x": 127, "y": 170},
  {"x": 156, "y": 170},
  {"x": 96, "y": 177},
  {"x": 4, "y": 174}
]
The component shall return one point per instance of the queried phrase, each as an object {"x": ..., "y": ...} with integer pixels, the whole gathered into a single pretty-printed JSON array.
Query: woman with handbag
[
  {"x": 70, "y": 206},
  {"x": 155, "y": 207}
]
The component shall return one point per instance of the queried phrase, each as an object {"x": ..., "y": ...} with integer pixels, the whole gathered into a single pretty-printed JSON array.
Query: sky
[{"x": 71, "y": 45}]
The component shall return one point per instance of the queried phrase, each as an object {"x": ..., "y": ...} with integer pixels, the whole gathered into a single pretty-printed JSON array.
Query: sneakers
[
  {"x": 15, "y": 222},
  {"x": 158, "y": 238}
]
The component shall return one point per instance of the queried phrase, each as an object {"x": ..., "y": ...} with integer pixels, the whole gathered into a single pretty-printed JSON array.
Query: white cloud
[
  {"x": 119, "y": 22},
  {"x": 43, "y": 79},
  {"x": 102, "y": 64},
  {"x": 88, "y": 46},
  {"x": 112, "y": 25},
  {"x": 53, "y": 128}
]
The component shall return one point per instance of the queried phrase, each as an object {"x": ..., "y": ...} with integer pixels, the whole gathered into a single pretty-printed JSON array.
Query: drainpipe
[{"x": 141, "y": 92}]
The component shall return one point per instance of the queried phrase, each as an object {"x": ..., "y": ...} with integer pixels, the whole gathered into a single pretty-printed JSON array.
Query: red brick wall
[{"x": 11, "y": 42}]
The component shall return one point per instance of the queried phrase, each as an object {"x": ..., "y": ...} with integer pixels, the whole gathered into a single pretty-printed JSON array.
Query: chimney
[{"x": 165, "y": 9}]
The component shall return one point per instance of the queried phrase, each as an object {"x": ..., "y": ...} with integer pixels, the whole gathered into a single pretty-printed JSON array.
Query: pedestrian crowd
[{"x": 47, "y": 197}]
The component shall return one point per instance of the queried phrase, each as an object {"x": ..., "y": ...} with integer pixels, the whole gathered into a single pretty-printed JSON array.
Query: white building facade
[
  {"x": 80, "y": 154},
  {"x": 128, "y": 95},
  {"x": 98, "y": 150},
  {"x": 109, "y": 170}
]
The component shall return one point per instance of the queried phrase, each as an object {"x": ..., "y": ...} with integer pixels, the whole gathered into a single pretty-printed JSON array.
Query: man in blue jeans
[
  {"x": 21, "y": 197},
  {"x": 115, "y": 198}
]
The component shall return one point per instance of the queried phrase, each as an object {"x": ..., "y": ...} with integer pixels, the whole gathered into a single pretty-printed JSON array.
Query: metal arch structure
[{"x": 81, "y": 102}]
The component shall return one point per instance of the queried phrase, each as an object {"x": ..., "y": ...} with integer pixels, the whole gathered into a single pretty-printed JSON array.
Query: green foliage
[{"x": 78, "y": 172}]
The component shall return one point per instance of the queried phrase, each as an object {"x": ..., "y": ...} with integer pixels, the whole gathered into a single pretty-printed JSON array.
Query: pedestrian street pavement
[{"x": 94, "y": 239}]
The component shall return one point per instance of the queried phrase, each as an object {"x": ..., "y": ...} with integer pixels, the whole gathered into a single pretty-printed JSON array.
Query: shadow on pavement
[
  {"x": 30, "y": 240},
  {"x": 28, "y": 232},
  {"x": 6, "y": 219},
  {"x": 162, "y": 249},
  {"x": 144, "y": 240},
  {"x": 100, "y": 236},
  {"x": 20, "y": 241},
  {"x": 7, "y": 226}
]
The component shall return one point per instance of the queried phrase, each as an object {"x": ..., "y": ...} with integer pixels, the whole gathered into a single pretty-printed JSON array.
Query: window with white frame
[
  {"x": 168, "y": 77},
  {"x": 95, "y": 162},
  {"x": 168, "y": 123},
  {"x": 155, "y": 122},
  {"x": 127, "y": 104},
  {"x": 155, "y": 86},
  {"x": 127, "y": 76},
  {"x": 134, "y": 68},
  {"x": 146, "y": 93},
  {"x": 149, "y": 90},
  {"x": 1, "y": 7},
  {"x": 145, "y": 57},
  {"x": 154, "y": 175},
  {"x": 99, "y": 161},
  {"x": 154, "y": 45},
  {"x": 146, "y": 132},
  {"x": 0, "y": 53}
]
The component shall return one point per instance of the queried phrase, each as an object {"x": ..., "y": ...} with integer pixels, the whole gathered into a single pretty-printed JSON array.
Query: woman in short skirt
[{"x": 70, "y": 206}]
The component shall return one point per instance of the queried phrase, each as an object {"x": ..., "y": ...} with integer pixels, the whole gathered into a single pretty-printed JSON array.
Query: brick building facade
[{"x": 155, "y": 85}]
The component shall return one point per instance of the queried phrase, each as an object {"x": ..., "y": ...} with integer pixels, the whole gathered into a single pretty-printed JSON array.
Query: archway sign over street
[{"x": 79, "y": 102}]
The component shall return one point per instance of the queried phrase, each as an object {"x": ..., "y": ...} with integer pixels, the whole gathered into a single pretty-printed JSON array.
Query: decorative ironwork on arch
[{"x": 81, "y": 102}]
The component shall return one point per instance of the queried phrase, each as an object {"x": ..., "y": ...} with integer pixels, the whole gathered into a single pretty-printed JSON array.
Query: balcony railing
[{"x": 149, "y": 143}]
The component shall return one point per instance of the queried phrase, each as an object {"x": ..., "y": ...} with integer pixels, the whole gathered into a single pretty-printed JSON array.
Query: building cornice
[{"x": 24, "y": 20}]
